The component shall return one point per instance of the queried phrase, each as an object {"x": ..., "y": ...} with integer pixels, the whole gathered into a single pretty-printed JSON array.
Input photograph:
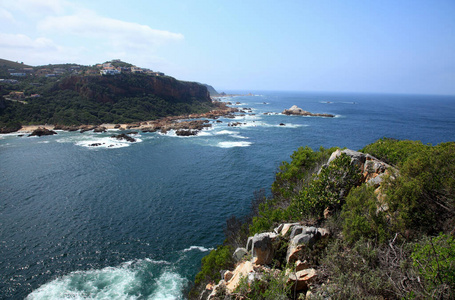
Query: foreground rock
[
  {"x": 294, "y": 110},
  {"x": 42, "y": 131},
  {"x": 289, "y": 249}
]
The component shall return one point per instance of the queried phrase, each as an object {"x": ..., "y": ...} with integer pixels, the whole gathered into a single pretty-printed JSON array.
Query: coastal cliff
[
  {"x": 344, "y": 224},
  {"x": 110, "y": 88},
  {"x": 95, "y": 99}
]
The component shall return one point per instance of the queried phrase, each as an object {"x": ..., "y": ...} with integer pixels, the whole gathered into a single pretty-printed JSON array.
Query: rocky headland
[{"x": 286, "y": 251}]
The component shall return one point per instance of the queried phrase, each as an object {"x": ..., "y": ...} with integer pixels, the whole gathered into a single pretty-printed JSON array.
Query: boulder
[
  {"x": 242, "y": 270},
  {"x": 227, "y": 275},
  {"x": 239, "y": 253},
  {"x": 300, "y": 238},
  {"x": 100, "y": 129},
  {"x": 261, "y": 247},
  {"x": 42, "y": 131},
  {"x": 124, "y": 137},
  {"x": 301, "y": 265},
  {"x": 185, "y": 132},
  {"x": 284, "y": 228},
  {"x": 301, "y": 279}
]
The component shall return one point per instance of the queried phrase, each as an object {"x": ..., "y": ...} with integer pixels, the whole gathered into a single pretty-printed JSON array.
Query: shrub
[
  {"x": 216, "y": 260},
  {"x": 434, "y": 259},
  {"x": 361, "y": 217},
  {"x": 271, "y": 286},
  {"x": 422, "y": 197},
  {"x": 328, "y": 188}
]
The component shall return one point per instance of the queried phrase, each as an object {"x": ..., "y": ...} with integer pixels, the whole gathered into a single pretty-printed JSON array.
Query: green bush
[
  {"x": 394, "y": 151},
  {"x": 269, "y": 287},
  {"x": 434, "y": 259},
  {"x": 422, "y": 197},
  {"x": 328, "y": 188},
  {"x": 304, "y": 162},
  {"x": 361, "y": 216}
]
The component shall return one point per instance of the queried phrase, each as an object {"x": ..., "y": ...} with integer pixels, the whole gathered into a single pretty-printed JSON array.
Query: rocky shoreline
[{"x": 184, "y": 125}]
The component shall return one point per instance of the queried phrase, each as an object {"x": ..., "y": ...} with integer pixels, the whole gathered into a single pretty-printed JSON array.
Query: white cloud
[
  {"x": 5, "y": 15},
  {"x": 37, "y": 51},
  {"x": 36, "y": 7},
  {"x": 117, "y": 33},
  {"x": 49, "y": 31}
]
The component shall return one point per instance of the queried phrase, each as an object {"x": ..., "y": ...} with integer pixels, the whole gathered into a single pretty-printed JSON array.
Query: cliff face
[{"x": 110, "y": 88}]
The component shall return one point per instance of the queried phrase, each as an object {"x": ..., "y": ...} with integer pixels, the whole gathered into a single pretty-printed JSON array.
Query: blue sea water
[{"x": 132, "y": 220}]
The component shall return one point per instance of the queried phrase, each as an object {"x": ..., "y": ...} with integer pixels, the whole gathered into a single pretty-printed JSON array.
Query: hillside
[
  {"x": 12, "y": 64},
  {"x": 74, "y": 95},
  {"x": 341, "y": 224}
]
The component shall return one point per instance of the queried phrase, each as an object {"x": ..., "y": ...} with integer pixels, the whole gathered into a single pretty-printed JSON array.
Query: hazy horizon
[{"x": 405, "y": 47}]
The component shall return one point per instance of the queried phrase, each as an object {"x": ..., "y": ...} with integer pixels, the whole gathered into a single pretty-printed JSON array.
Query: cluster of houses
[
  {"x": 109, "y": 69},
  {"x": 44, "y": 72},
  {"x": 102, "y": 69}
]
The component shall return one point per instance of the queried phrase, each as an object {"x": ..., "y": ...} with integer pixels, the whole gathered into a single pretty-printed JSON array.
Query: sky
[{"x": 379, "y": 46}]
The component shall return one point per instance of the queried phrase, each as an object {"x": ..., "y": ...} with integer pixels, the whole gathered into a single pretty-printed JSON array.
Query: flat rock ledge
[{"x": 295, "y": 110}]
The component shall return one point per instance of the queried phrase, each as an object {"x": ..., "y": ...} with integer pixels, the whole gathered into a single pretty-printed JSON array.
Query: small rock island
[{"x": 295, "y": 110}]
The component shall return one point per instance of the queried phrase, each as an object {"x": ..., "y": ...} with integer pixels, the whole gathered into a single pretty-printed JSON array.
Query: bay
[{"x": 132, "y": 220}]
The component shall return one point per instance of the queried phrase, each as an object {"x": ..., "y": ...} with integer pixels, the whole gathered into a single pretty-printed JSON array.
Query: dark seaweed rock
[
  {"x": 42, "y": 131},
  {"x": 183, "y": 132},
  {"x": 125, "y": 137}
]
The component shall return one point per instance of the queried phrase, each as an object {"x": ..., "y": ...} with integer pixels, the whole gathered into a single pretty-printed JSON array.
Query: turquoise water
[{"x": 132, "y": 220}]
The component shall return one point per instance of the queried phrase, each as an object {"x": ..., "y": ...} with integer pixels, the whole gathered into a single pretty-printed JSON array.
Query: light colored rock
[
  {"x": 228, "y": 275},
  {"x": 301, "y": 237},
  {"x": 301, "y": 265},
  {"x": 239, "y": 253},
  {"x": 296, "y": 230},
  {"x": 218, "y": 290},
  {"x": 301, "y": 279},
  {"x": 323, "y": 232},
  {"x": 242, "y": 270},
  {"x": 261, "y": 247},
  {"x": 283, "y": 228}
]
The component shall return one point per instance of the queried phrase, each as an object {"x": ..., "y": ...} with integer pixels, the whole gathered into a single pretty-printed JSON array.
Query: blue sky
[{"x": 337, "y": 46}]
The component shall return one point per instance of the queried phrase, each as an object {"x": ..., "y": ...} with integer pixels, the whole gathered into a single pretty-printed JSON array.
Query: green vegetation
[
  {"x": 391, "y": 242},
  {"x": 75, "y": 99}
]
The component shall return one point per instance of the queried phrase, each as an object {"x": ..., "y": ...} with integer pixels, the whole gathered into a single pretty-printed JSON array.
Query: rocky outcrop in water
[
  {"x": 42, "y": 131},
  {"x": 125, "y": 137},
  {"x": 294, "y": 110}
]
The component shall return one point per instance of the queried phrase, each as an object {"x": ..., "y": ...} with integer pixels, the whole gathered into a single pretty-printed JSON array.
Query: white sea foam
[
  {"x": 234, "y": 144},
  {"x": 226, "y": 132},
  {"x": 200, "y": 248},
  {"x": 168, "y": 286},
  {"x": 122, "y": 282}
]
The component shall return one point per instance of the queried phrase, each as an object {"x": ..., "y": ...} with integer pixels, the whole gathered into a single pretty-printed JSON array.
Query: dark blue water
[{"x": 132, "y": 221}]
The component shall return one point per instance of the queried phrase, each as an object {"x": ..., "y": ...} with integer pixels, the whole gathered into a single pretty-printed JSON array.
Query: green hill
[
  {"x": 74, "y": 98},
  {"x": 12, "y": 64}
]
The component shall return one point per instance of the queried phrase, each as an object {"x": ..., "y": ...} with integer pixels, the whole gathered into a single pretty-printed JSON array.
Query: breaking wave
[
  {"x": 234, "y": 144},
  {"x": 140, "y": 279}
]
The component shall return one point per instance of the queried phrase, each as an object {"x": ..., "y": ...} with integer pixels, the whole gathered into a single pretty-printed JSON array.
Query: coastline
[{"x": 165, "y": 123}]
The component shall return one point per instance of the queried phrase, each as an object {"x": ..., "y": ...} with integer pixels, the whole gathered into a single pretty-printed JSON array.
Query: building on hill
[
  {"x": 43, "y": 72},
  {"x": 17, "y": 95},
  {"x": 18, "y": 74},
  {"x": 136, "y": 70},
  {"x": 109, "y": 72}
]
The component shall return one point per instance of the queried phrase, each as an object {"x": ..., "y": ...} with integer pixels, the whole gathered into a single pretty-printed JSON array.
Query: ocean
[{"x": 133, "y": 220}]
